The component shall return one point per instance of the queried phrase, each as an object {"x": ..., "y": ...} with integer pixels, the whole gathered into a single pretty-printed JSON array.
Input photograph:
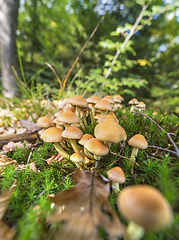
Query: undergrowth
[{"x": 29, "y": 206}]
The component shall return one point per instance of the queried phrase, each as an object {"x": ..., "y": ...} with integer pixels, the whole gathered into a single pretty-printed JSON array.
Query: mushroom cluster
[
  {"x": 143, "y": 206},
  {"x": 74, "y": 117},
  {"x": 66, "y": 130}
]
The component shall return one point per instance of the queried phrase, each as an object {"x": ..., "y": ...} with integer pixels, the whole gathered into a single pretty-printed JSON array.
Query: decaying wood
[{"x": 4, "y": 139}]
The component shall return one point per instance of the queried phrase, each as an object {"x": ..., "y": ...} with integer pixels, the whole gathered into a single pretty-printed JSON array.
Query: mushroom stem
[
  {"x": 116, "y": 187},
  {"x": 134, "y": 231},
  {"x": 88, "y": 154},
  {"x": 133, "y": 157},
  {"x": 84, "y": 119},
  {"x": 92, "y": 114},
  {"x": 97, "y": 157},
  {"x": 60, "y": 150},
  {"x": 74, "y": 145}
]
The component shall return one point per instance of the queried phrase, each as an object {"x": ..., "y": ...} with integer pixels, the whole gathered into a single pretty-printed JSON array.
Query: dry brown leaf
[
  {"x": 30, "y": 126},
  {"x": 4, "y": 200},
  {"x": 84, "y": 208},
  {"x": 6, "y": 233},
  {"x": 4, "y": 160},
  {"x": 11, "y": 146},
  {"x": 56, "y": 157}
]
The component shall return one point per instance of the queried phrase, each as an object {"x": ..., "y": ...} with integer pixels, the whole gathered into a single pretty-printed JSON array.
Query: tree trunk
[{"x": 8, "y": 24}]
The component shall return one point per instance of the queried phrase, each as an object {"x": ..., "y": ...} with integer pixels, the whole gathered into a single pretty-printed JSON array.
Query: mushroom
[
  {"x": 67, "y": 117},
  {"x": 138, "y": 141},
  {"x": 110, "y": 132},
  {"x": 54, "y": 135},
  {"x": 72, "y": 134},
  {"x": 116, "y": 175},
  {"x": 133, "y": 102},
  {"x": 77, "y": 158},
  {"x": 108, "y": 116},
  {"x": 95, "y": 147},
  {"x": 145, "y": 208},
  {"x": 103, "y": 105},
  {"x": 45, "y": 122},
  {"x": 91, "y": 103}
]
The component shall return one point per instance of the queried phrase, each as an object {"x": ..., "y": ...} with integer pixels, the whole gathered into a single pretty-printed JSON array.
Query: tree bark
[{"x": 8, "y": 24}]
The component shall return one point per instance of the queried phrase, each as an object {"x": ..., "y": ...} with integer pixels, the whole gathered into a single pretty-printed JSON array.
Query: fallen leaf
[
  {"x": 56, "y": 157},
  {"x": 11, "y": 146},
  {"x": 4, "y": 160},
  {"x": 84, "y": 208},
  {"x": 6, "y": 233},
  {"x": 30, "y": 126}
]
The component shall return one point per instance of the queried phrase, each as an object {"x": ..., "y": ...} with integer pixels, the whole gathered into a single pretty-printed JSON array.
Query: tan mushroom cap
[
  {"x": 76, "y": 157},
  {"x": 93, "y": 99},
  {"x": 116, "y": 174},
  {"x": 104, "y": 105},
  {"x": 109, "y": 99},
  {"x": 133, "y": 101},
  {"x": 67, "y": 117},
  {"x": 85, "y": 138},
  {"x": 52, "y": 134},
  {"x": 110, "y": 131},
  {"x": 118, "y": 98},
  {"x": 108, "y": 116},
  {"x": 45, "y": 122},
  {"x": 141, "y": 105},
  {"x": 72, "y": 133},
  {"x": 146, "y": 206},
  {"x": 138, "y": 141},
  {"x": 78, "y": 101},
  {"x": 96, "y": 147}
]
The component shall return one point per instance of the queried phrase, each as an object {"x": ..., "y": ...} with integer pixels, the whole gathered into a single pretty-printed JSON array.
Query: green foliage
[{"x": 29, "y": 207}]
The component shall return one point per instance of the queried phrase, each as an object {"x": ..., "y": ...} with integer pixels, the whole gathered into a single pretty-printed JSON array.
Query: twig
[
  {"x": 162, "y": 149},
  {"x": 127, "y": 39},
  {"x": 176, "y": 152},
  {"x": 124, "y": 157}
]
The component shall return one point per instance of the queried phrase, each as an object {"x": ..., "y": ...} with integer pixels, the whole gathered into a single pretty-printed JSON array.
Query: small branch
[
  {"x": 163, "y": 149},
  {"x": 127, "y": 39},
  {"x": 124, "y": 157},
  {"x": 176, "y": 153}
]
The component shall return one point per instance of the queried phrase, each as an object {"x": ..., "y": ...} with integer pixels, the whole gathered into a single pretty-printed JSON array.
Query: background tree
[{"x": 8, "y": 24}]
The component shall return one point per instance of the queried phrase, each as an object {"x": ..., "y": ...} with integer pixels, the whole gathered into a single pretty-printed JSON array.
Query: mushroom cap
[
  {"x": 146, "y": 206},
  {"x": 138, "y": 141},
  {"x": 72, "y": 133},
  {"x": 118, "y": 98},
  {"x": 116, "y": 174},
  {"x": 45, "y": 122},
  {"x": 110, "y": 131},
  {"x": 109, "y": 99},
  {"x": 93, "y": 99},
  {"x": 85, "y": 138},
  {"x": 68, "y": 117},
  {"x": 133, "y": 101},
  {"x": 103, "y": 104},
  {"x": 108, "y": 116},
  {"x": 95, "y": 146},
  {"x": 78, "y": 101},
  {"x": 141, "y": 105},
  {"x": 76, "y": 157},
  {"x": 52, "y": 134}
]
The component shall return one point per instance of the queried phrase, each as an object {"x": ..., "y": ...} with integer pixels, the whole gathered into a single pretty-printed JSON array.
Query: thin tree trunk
[{"x": 8, "y": 24}]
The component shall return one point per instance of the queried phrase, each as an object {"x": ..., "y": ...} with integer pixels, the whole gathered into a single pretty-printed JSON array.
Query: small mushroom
[
  {"x": 95, "y": 147},
  {"x": 72, "y": 134},
  {"x": 117, "y": 176},
  {"x": 54, "y": 135},
  {"x": 145, "y": 208},
  {"x": 138, "y": 141}
]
